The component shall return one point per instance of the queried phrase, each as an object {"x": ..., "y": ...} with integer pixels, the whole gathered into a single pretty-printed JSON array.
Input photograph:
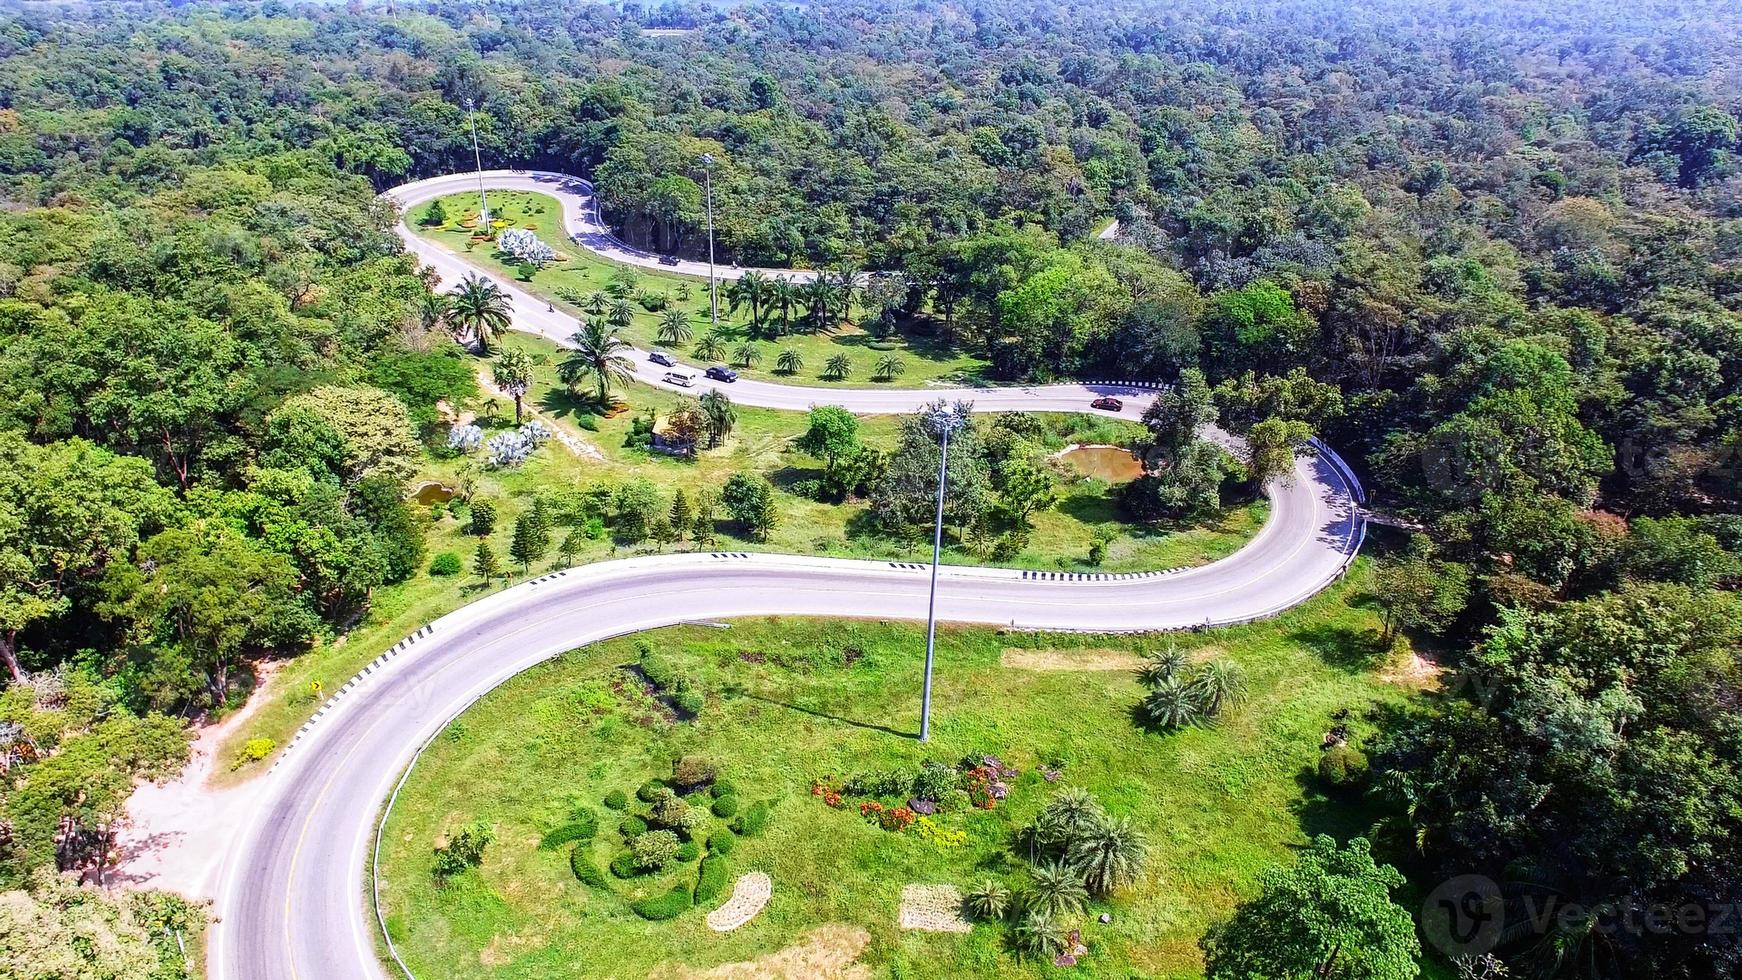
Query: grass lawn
[
  {"x": 761, "y": 442},
  {"x": 582, "y": 273},
  {"x": 789, "y": 701}
]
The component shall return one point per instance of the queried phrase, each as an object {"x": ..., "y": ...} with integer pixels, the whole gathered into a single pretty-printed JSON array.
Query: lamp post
[
  {"x": 944, "y": 421},
  {"x": 713, "y": 294},
  {"x": 478, "y": 159}
]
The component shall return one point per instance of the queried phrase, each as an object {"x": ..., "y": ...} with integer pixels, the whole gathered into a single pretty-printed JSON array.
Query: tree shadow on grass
[
  {"x": 1342, "y": 816},
  {"x": 584, "y": 410},
  {"x": 1352, "y": 650},
  {"x": 814, "y": 713}
]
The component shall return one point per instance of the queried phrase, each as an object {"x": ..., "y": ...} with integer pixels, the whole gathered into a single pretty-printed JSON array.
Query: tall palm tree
[
  {"x": 822, "y": 300},
  {"x": 599, "y": 354},
  {"x": 837, "y": 368},
  {"x": 1221, "y": 684},
  {"x": 1172, "y": 704},
  {"x": 720, "y": 415},
  {"x": 479, "y": 308},
  {"x": 597, "y": 302},
  {"x": 1108, "y": 854},
  {"x": 889, "y": 367},
  {"x": 784, "y": 294},
  {"x": 1057, "y": 889},
  {"x": 674, "y": 327},
  {"x": 747, "y": 354},
  {"x": 789, "y": 361},
  {"x": 846, "y": 280},
  {"x": 512, "y": 374},
  {"x": 712, "y": 347},
  {"x": 749, "y": 289},
  {"x": 621, "y": 313}
]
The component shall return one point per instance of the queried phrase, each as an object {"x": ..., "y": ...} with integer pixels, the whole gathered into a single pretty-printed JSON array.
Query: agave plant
[
  {"x": 1057, "y": 889},
  {"x": 1161, "y": 666},
  {"x": 989, "y": 901},
  {"x": 1108, "y": 854},
  {"x": 1172, "y": 704}
]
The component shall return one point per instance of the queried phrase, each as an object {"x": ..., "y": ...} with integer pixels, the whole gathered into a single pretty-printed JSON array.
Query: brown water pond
[
  {"x": 1108, "y": 463},
  {"x": 433, "y": 493}
]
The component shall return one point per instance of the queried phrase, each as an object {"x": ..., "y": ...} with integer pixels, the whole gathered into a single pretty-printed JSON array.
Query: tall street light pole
[
  {"x": 945, "y": 421},
  {"x": 713, "y": 294},
  {"x": 478, "y": 159}
]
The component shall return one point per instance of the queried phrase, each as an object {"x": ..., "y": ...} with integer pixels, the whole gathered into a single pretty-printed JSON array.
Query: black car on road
[{"x": 720, "y": 372}]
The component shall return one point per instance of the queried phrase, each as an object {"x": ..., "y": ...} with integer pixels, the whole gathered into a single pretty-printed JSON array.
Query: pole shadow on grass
[{"x": 871, "y": 726}]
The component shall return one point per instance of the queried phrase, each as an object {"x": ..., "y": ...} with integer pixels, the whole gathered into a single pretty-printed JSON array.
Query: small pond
[
  {"x": 1108, "y": 463},
  {"x": 433, "y": 493}
]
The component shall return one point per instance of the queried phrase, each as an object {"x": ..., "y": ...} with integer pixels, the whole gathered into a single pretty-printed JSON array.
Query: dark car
[
  {"x": 668, "y": 260},
  {"x": 661, "y": 358},
  {"x": 721, "y": 373},
  {"x": 1107, "y": 403}
]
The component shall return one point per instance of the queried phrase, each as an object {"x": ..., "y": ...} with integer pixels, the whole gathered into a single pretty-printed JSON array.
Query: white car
[{"x": 680, "y": 379}]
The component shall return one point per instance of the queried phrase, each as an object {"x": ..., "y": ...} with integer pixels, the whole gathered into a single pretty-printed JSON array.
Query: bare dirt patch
[
  {"x": 1415, "y": 672},
  {"x": 1084, "y": 660},
  {"x": 828, "y": 952}
]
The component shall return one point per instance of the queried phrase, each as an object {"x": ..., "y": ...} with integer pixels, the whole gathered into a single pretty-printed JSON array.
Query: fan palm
[
  {"x": 621, "y": 313},
  {"x": 747, "y": 354},
  {"x": 889, "y": 367},
  {"x": 599, "y": 354},
  {"x": 837, "y": 368},
  {"x": 1039, "y": 934},
  {"x": 1057, "y": 889},
  {"x": 789, "y": 361},
  {"x": 597, "y": 302},
  {"x": 719, "y": 414},
  {"x": 512, "y": 375},
  {"x": 711, "y": 347},
  {"x": 1172, "y": 704},
  {"x": 1108, "y": 854},
  {"x": 989, "y": 901},
  {"x": 1161, "y": 666},
  {"x": 1219, "y": 685},
  {"x": 480, "y": 308},
  {"x": 674, "y": 327}
]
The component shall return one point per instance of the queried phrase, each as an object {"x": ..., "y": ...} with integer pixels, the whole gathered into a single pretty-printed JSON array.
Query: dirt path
[{"x": 177, "y": 833}]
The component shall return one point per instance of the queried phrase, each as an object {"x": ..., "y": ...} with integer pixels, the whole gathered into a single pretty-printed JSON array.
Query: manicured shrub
[
  {"x": 582, "y": 826},
  {"x": 711, "y": 879},
  {"x": 623, "y": 865},
  {"x": 689, "y": 700},
  {"x": 446, "y": 563},
  {"x": 586, "y": 869},
  {"x": 725, "y": 807},
  {"x": 616, "y": 799},
  {"x": 692, "y": 771},
  {"x": 650, "y": 791},
  {"x": 1342, "y": 767},
  {"x": 659, "y": 671},
  {"x": 935, "y": 781},
  {"x": 654, "y": 849},
  {"x": 632, "y": 826},
  {"x": 724, "y": 787},
  {"x": 667, "y": 906},
  {"x": 722, "y": 841},
  {"x": 688, "y": 851},
  {"x": 752, "y": 821}
]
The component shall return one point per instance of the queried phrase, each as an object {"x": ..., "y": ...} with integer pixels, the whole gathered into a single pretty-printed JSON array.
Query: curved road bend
[{"x": 290, "y": 903}]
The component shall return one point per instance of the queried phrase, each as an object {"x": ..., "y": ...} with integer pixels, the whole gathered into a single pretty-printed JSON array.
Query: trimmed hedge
[
  {"x": 667, "y": 906},
  {"x": 649, "y": 791},
  {"x": 722, "y": 841},
  {"x": 725, "y": 806},
  {"x": 752, "y": 821},
  {"x": 711, "y": 880},
  {"x": 623, "y": 865},
  {"x": 582, "y": 827},
  {"x": 688, "y": 851},
  {"x": 616, "y": 799},
  {"x": 632, "y": 826},
  {"x": 586, "y": 869},
  {"x": 723, "y": 787}
]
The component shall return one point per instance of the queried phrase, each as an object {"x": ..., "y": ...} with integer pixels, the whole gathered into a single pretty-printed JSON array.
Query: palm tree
[
  {"x": 1040, "y": 934},
  {"x": 837, "y": 368},
  {"x": 720, "y": 415},
  {"x": 1057, "y": 889},
  {"x": 599, "y": 354},
  {"x": 512, "y": 374},
  {"x": 1219, "y": 685},
  {"x": 597, "y": 302},
  {"x": 621, "y": 314},
  {"x": 822, "y": 299},
  {"x": 1161, "y": 666},
  {"x": 1109, "y": 854},
  {"x": 432, "y": 310},
  {"x": 747, "y": 354},
  {"x": 846, "y": 282},
  {"x": 711, "y": 347},
  {"x": 674, "y": 327},
  {"x": 889, "y": 367},
  {"x": 1066, "y": 817},
  {"x": 989, "y": 901},
  {"x": 789, "y": 361},
  {"x": 479, "y": 307},
  {"x": 749, "y": 289},
  {"x": 785, "y": 295},
  {"x": 1172, "y": 704}
]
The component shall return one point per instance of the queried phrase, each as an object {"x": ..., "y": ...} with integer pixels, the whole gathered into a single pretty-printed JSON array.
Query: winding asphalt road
[{"x": 290, "y": 905}]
